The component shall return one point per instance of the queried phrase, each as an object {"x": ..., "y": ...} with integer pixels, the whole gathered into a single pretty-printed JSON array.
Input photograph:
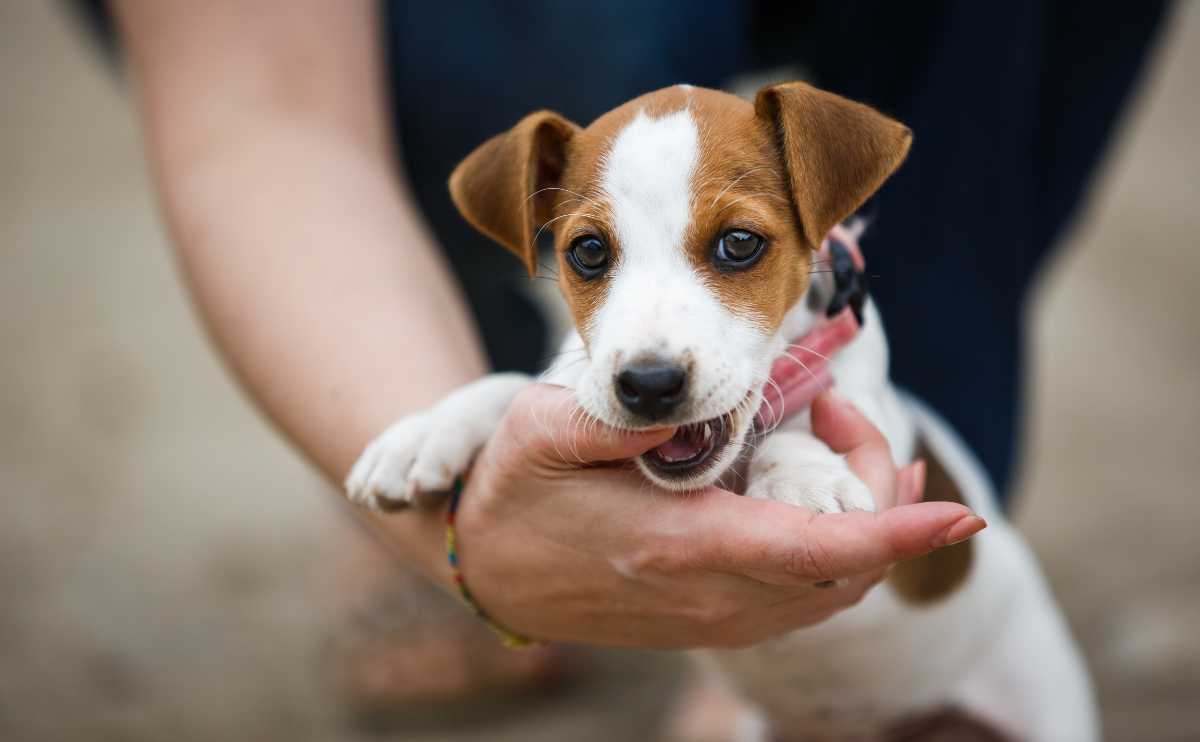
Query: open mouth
[{"x": 691, "y": 450}]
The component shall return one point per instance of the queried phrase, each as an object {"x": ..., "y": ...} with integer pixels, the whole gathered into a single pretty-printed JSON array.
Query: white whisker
[
  {"x": 735, "y": 181},
  {"x": 576, "y": 194},
  {"x": 810, "y": 350},
  {"x": 804, "y": 366},
  {"x": 547, "y": 223}
]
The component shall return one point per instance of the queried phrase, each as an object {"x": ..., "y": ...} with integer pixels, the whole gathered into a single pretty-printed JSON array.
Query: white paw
[
  {"x": 400, "y": 464},
  {"x": 423, "y": 454},
  {"x": 800, "y": 470}
]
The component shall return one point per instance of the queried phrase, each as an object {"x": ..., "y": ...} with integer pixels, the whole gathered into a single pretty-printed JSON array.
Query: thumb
[{"x": 552, "y": 424}]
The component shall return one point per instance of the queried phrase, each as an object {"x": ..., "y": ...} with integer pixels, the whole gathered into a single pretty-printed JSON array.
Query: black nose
[{"x": 652, "y": 390}]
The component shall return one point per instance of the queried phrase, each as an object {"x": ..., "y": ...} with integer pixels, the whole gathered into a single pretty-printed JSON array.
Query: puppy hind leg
[{"x": 1033, "y": 682}]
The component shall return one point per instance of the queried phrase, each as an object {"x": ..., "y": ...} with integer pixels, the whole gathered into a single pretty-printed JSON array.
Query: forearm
[
  {"x": 327, "y": 299},
  {"x": 310, "y": 267},
  {"x": 319, "y": 285}
]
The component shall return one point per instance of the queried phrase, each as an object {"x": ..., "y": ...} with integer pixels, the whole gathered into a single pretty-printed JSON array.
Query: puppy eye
[
  {"x": 588, "y": 255},
  {"x": 738, "y": 249}
]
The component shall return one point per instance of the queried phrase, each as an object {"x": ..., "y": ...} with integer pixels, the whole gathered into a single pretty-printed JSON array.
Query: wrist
[
  {"x": 508, "y": 637},
  {"x": 416, "y": 536}
]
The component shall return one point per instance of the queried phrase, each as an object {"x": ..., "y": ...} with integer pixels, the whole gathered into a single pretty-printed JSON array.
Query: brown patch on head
[
  {"x": 787, "y": 168},
  {"x": 583, "y": 208},
  {"x": 931, "y": 577},
  {"x": 741, "y": 183}
]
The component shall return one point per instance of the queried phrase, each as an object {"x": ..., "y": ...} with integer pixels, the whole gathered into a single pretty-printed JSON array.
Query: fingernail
[{"x": 960, "y": 531}]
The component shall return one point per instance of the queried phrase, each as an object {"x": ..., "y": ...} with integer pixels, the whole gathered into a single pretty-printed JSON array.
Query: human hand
[{"x": 558, "y": 543}]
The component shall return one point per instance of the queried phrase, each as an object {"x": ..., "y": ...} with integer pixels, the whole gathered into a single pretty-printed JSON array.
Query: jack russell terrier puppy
[{"x": 698, "y": 236}]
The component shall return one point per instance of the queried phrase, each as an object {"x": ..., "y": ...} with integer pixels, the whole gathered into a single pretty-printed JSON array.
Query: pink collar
[{"x": 802, "y": 371}]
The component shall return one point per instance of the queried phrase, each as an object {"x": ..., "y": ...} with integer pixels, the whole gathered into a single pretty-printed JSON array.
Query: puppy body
[
  {"x": 687, "y": 225},
  {"x": 995, "y": 647}
]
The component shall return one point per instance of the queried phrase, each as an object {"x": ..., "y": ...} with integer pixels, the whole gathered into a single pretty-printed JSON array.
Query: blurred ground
[{"x": 158, "y": 544}]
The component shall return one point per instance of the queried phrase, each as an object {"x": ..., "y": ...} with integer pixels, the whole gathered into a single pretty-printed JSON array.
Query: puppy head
[{"x": 685, "y": 224}]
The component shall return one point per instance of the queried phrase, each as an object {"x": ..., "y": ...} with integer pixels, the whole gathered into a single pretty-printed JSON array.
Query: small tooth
[{"x": 707, "y": 431}]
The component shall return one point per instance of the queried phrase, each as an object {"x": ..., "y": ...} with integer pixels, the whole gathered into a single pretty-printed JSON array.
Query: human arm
[
  {"x": 302, "y": 249},
  {"x": 308, "y": 262}
]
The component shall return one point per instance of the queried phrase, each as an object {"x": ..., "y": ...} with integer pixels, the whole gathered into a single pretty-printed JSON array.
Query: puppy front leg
[
  {"x": 425, "y": 452},
  {"x": 799, "y": 469}
]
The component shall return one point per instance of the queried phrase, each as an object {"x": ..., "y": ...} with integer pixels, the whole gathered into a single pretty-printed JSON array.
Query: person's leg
[
  {"x": 1011, "y": 105},
  {"x": 947, "y": 274},
  {"x": 396, "y": 642},
  {"x": 1094, "y": 57}
]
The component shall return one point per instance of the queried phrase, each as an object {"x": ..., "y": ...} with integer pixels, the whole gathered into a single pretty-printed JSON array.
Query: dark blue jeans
[{"x": 1011, "y": 105}]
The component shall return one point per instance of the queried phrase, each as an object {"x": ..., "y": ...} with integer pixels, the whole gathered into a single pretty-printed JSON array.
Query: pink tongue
[{"x": 680, "y": 448}]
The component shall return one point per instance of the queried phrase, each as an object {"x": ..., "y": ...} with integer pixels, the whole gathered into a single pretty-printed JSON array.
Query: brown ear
[
  {"x": 498, "y": 188},
  {"x": 837, "y": 152}
]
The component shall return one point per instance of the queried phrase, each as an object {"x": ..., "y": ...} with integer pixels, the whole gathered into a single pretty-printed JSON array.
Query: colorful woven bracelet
[{"x": 508, "y": 637}]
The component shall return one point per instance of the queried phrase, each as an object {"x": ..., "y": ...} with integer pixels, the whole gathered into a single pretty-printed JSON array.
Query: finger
[
  {"x": 763, "y": 537},
  {"x": 910, "y": 483},
  {"x": 842, "y": 427},
  {"x": 841, "y": 545},
  {"x": 872, "y": 463},
  {"x": 548, "y": 420}
]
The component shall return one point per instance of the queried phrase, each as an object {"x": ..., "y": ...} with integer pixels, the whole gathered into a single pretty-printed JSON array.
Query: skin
[{"x": 307, "y": 259}]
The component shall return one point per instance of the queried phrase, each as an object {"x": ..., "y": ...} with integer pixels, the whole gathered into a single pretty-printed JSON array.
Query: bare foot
[{"x": 396, "y": 642}]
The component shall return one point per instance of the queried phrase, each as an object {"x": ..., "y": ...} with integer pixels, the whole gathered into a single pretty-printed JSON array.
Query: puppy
[{"x": 698, "y": 236}]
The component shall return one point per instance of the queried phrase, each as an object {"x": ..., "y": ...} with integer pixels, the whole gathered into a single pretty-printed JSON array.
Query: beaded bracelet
[{"x": 508, "y": 637}]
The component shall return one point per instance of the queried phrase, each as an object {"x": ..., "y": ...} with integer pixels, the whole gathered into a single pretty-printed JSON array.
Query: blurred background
[{"x": 161, "y": 550}]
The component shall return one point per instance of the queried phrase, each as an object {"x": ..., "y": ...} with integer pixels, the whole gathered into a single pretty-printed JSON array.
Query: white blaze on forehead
[
  {"x": 647, "y": 178},
  {"x": 656, "y": 302}
]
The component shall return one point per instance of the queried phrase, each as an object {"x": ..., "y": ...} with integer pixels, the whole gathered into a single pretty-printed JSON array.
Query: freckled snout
[{"x": 651, "y": 389}]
